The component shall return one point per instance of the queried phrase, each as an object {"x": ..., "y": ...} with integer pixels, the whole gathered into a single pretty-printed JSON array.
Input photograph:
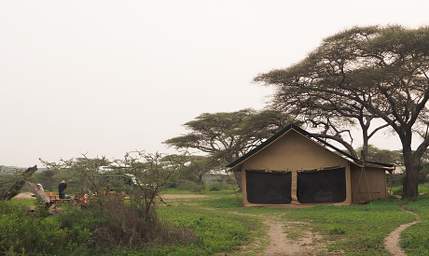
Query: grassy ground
[
  {"x": 415, "y": 239},
  {"x": 221, "y": 225},
  {"x": 216, "y": 231},
  {"x": 352, "y": 230}
]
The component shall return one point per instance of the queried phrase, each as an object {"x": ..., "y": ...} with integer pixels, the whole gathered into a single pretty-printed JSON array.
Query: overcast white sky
[{"x": 106, "y": 77}]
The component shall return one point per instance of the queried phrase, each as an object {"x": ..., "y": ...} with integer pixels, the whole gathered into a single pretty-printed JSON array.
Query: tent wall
[
  {"x": 268, "y": 188},
  {"x": 368, "y": 185},
  {"x": 293, "y": 152},
  {"x": 327, "y": 186}
]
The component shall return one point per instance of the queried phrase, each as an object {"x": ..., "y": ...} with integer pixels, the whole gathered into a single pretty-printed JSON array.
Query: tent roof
[{"x": 314, "y": 138}]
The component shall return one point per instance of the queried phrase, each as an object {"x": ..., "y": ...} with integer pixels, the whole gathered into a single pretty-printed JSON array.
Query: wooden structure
[{"x": 295, "y": 167}]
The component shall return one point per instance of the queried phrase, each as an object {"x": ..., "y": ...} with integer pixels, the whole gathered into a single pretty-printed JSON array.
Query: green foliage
[
  {"x": 223, "y": 200},
  {"x": 217, "y": 231},
  {"x": 6, "y": 182},
  {"x": 23, "y": 234},
  {"x": 336, "y": 231},
  {"x": 383, "y": 155},
  {"x": 196, "y": 167},
  {"x": 96, "y": 230},
  {"x": 354, "y": 230},
  {"x": 217, "y": 223},
  {"x": 188, "y": 185},
  {"x": 184, "y": 185},
  {"x": 415, "y": 239},
  {"x": 357, "y": 229}
]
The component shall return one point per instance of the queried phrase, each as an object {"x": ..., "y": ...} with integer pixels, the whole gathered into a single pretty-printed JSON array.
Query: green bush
[
  {"x": 25, "y": 234},
  {"x": 107, "y": 224},
  {"x": 190, "y": 186},
  {"x": 337, "y": 231},
  {"x": 219, "y": 186}
]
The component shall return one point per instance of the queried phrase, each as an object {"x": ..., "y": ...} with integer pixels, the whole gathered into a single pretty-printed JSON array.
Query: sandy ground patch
[
  {"x": 307, "y": 244},
  {"x": 24, "y": 195}
]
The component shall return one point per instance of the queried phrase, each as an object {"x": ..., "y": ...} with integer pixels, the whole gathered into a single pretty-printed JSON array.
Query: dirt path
[
  {"x": 306, "y": 244},
  {"x": 391, "y": 242},
  {"x": 284, "y": 238}
]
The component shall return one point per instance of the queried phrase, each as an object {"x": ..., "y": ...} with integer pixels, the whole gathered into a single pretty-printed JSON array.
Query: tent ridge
[{"x": 319, "y": 141}]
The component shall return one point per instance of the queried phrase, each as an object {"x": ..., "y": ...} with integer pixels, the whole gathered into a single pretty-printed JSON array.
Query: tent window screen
[
  {"x": 268, "y": 188},
  {"x": 328, "y": 186}
]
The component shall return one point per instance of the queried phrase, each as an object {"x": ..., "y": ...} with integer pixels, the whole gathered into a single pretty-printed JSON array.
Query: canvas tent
[{"x": 295, "y": 167}]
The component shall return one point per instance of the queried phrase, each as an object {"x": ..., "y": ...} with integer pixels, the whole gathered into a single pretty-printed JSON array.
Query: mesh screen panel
[
  {"x": 268, "y": 188},
  {"x": 327, "y": 186}
]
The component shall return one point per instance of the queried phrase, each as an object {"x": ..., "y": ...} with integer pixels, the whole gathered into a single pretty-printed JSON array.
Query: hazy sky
[{"x": 105, "y": 77}]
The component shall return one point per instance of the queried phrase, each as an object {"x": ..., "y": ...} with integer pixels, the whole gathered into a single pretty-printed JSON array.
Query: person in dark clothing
[{"x": 61, "y": 189}]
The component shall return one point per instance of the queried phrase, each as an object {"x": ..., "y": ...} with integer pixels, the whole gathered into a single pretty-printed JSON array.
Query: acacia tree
[
  {"x": 197, "y": 166},
  {"x": 383, "y": 70},
  {"x": 226, "y": 136},
  {"x": 384, "y": 155},
  {"x": 332, "y": 116}
]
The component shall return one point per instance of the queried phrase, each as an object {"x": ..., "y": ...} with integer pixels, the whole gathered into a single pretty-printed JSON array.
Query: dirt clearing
[
  {"x": 24, "y": 195},
  {"x": 306, "y": 243}
]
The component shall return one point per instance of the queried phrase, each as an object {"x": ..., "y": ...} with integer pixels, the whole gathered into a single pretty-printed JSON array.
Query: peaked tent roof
[{"x": 321, "y": 142}]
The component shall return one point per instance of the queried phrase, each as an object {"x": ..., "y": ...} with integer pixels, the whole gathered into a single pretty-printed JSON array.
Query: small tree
[
  {"x": 148, "y": 173},
  {"x": 197, "y": 166}
]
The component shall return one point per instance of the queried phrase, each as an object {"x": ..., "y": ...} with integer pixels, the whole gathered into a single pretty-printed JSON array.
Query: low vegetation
[
  {"x": 126, "y": 216},
  {"x": 215, "y": 223},
  {"x": 415, "y": 239}
]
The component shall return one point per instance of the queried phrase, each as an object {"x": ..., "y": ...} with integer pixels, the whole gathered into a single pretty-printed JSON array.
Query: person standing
[{"x": 61, "y": 189}]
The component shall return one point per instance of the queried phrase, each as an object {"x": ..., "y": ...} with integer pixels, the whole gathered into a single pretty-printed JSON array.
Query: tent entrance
[
  {"x": 327, "y": 186},
  {"x": 268, "y": 188}
]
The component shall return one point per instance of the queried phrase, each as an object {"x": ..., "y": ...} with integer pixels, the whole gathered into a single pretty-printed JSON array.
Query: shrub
[
  {"x": 115, "y": 223},
  {"x": 190, "y": 186},
  {"x": 218, "y": 186},
  {"x": 337, "y": 231},
  {"x": 24, "y": 234}
]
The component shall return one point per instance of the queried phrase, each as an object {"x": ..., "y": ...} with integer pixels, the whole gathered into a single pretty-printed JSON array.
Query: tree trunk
[
  {"x": 200, "y": 178},
  {"x": 364, "y": 152},
  {"x": 237, "y": 176},
  {"x": 410, "y": 182}
]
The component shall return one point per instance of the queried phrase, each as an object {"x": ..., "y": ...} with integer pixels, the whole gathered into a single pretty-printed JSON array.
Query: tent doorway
[
  {"x": 327, "y": 186},
  {"x": 268, "y": 188}
]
